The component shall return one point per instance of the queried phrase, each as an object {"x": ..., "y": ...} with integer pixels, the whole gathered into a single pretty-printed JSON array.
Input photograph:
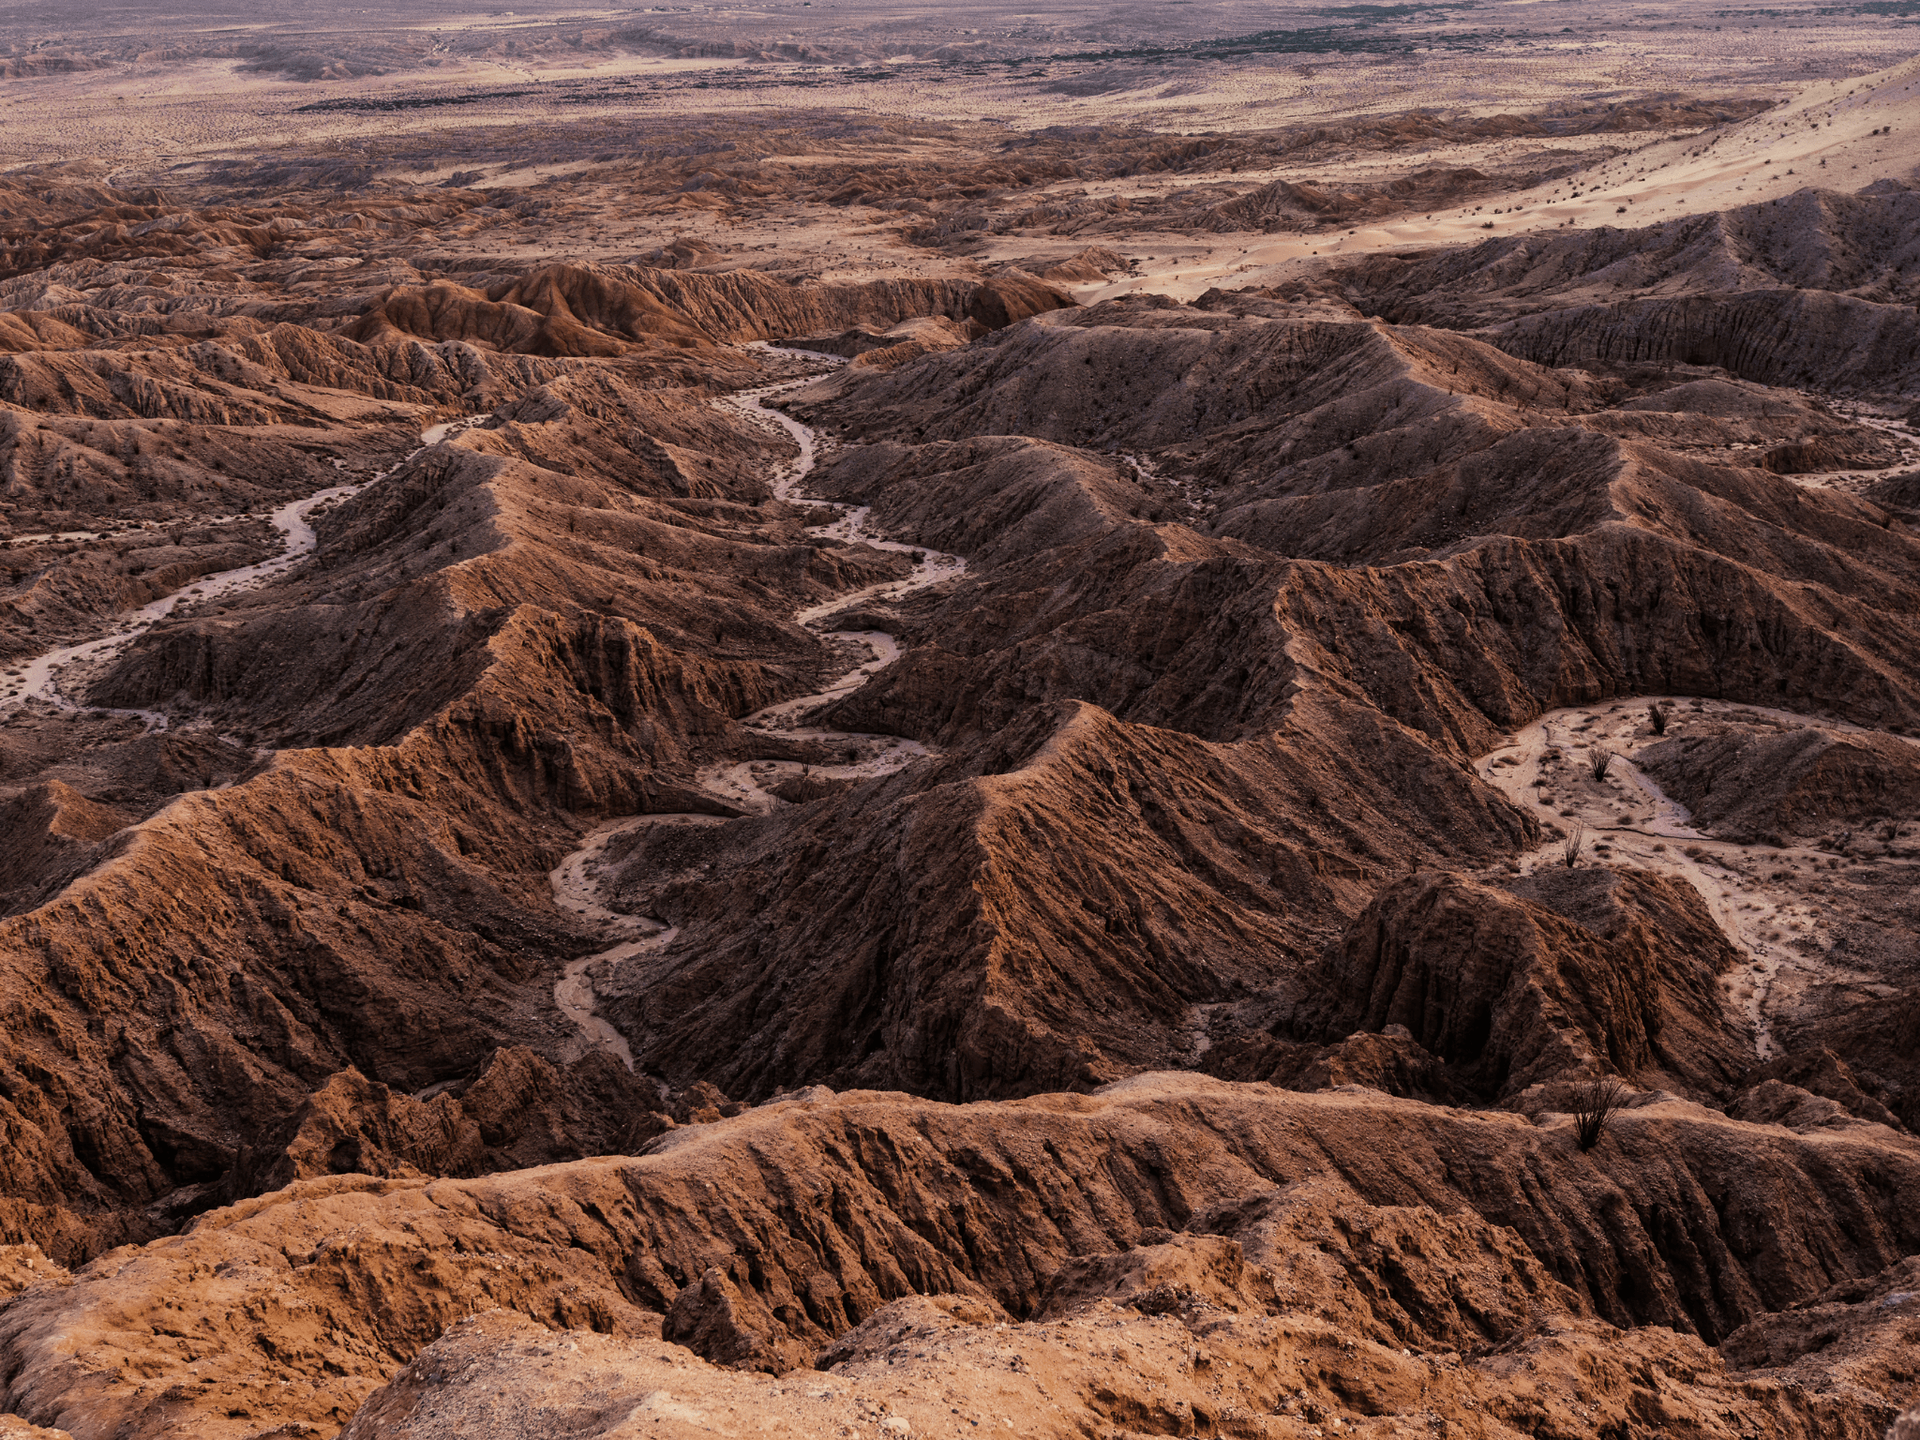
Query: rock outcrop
[
  {"x": 1561, "y": 972},
  {"x": 604, "y": 311}
]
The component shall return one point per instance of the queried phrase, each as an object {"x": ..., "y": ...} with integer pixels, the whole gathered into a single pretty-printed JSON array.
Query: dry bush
[
  {"x": 1598, "y": 760},
  {"x": 1594, "y": 1106},
  {"x": 1570, "y": 851},
  {"x": 1657, "y": 718}
]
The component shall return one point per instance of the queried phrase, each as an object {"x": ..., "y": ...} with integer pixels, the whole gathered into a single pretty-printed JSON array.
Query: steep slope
[
  {"x": 458, "y": 646},
  {"x": 1623, "y": 568},
  {"x": 574, "y": 310},
  {"x": 1628, "y": 522},
  {"x": 1812, "y": 288},
  {"x": 759, "y": 1239},
  {"x": 1592, "y": 970},
  {"x": 1040, "y": 911},
  {"x": 1858, "y": 245},
  {"x": 563, "y": 613},
  {"x": 1173, "y": 1357}
]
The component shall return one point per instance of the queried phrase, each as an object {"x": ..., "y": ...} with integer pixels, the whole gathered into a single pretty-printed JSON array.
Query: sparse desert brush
[
  {"x": 1570, "y": 847},
  {"x": 1598, "y": 759},
  {"x": 1594, "y": 1106},
  {"x": 1657, "y": 718}
]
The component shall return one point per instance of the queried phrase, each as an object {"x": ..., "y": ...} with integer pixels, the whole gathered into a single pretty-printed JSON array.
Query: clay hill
[
  {"x": 446, "y": 994},
  {"x": 1812, "y": 289}
]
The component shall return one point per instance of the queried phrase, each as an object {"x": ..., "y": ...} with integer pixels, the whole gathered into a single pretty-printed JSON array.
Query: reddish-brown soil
[{"x": 997, "y": 864}]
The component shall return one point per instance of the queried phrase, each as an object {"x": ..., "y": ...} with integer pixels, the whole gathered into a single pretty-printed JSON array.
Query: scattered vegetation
[
  {"x": 1598, "y": 759},
  {"x": 1657, "y": 718},
  {"x": 1594, "y": 1107}
]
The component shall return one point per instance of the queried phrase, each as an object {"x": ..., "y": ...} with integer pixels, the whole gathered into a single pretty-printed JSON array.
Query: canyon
[{"x": 812, "y": 770}]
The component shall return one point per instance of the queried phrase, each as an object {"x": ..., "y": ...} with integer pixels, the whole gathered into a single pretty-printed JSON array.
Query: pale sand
[
  {"x": 1764, "y": 159},
  {"x": 1626, "y": 820}
]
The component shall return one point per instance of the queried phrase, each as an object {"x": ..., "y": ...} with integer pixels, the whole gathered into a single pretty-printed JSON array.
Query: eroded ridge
[
  {"x": 50, "y": 677},
  {"x": 749, "y": 786}
]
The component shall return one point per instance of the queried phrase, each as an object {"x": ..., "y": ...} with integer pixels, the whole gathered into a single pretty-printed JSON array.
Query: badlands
[{"x": 857, "y": 721}]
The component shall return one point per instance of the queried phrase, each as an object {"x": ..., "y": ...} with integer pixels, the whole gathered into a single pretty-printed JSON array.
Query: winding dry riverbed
[
  {"x": 39, "y": 679},
  {"x": 749, "y": 785},
  {"x": 1625, "y": 817}
]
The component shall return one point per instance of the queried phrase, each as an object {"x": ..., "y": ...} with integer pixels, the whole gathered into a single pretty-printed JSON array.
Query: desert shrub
[
  {"x": 1570, "y": 850},
  {"x": 1598, "y": 760},
  {"x": 1657, "y": 718},
  {"x": 1593, "y": 1108}
]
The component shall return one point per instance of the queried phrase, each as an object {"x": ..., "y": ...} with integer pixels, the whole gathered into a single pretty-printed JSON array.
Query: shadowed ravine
[{"x": 748, "y": 785}]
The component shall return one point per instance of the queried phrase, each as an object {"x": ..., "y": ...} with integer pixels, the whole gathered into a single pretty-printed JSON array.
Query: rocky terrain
[{"x": 796, "y": 778}]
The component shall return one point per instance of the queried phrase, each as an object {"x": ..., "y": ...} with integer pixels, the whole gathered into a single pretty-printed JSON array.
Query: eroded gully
[
  {"x": 39, "y": 679},
  {"x": 1626, "y": 815},
  {"x": 748, "y": 786}
]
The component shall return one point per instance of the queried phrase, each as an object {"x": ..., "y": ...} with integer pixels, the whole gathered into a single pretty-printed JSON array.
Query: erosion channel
[{"x": 748, "y": 786}]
